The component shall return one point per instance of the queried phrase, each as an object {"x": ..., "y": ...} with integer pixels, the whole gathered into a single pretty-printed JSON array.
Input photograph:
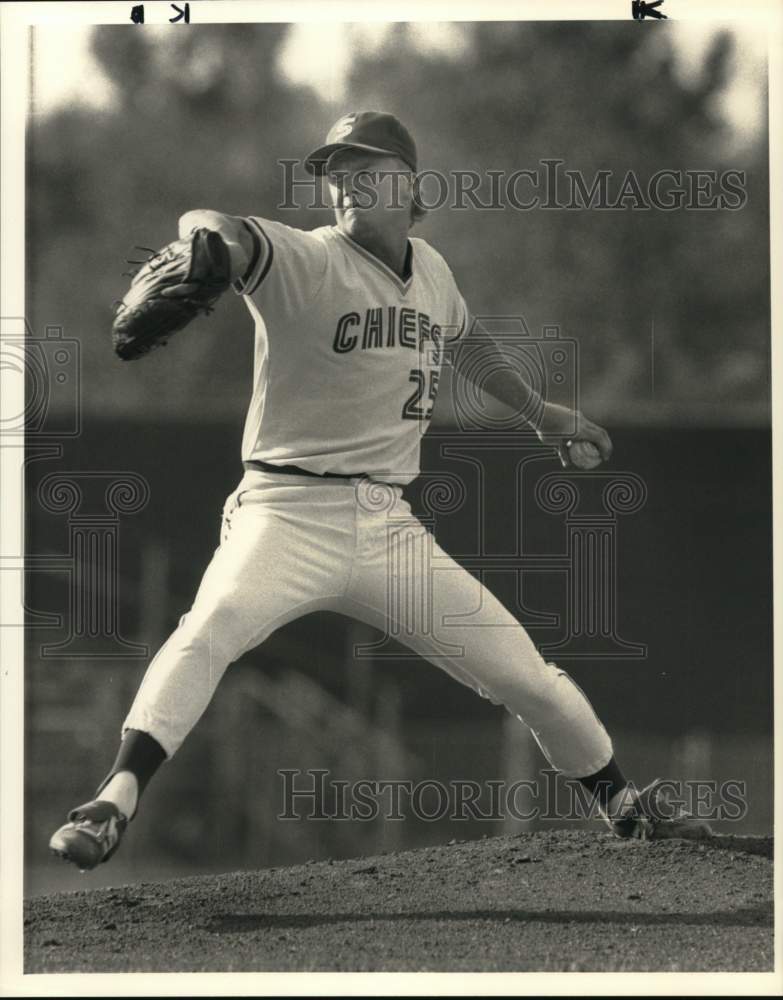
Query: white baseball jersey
[{"x": 347, "y": 353}]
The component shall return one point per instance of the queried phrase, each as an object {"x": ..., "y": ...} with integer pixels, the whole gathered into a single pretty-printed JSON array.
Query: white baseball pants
[{"x": 293, "y": 544}]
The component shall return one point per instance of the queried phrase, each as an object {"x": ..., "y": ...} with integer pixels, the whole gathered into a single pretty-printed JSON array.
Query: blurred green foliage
[{"x": 203, "y": 116}]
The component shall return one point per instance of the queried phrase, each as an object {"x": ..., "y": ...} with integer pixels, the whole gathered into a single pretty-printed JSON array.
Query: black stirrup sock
[
  {"x": 140, "y": 754},
  {"x": 605, "y": 784}
]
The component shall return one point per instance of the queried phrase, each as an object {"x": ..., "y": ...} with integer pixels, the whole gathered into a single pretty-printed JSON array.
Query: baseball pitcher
[{"x": 353, "y": 324}]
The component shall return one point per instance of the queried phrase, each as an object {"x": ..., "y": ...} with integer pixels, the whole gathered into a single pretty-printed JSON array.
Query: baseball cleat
[
  {"x": 91, "y": 835},
  {"x": 654, "y": 818}
]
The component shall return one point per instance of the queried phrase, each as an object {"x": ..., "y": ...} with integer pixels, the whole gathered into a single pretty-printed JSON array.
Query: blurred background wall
[{"x": 670, "y": 311}]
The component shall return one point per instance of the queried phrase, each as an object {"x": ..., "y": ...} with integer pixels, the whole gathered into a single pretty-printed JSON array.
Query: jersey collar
[{"x": 402, "y": 284}]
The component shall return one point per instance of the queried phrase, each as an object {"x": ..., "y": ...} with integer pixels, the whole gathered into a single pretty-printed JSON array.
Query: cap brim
[{"x": 316, "y": 162}]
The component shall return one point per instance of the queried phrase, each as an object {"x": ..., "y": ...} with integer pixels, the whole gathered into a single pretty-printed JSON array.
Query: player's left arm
[{"x": 477, "y": 357}]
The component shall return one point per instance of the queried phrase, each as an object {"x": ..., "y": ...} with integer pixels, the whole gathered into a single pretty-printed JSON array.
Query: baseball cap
[{"x": 373, "y": 131}]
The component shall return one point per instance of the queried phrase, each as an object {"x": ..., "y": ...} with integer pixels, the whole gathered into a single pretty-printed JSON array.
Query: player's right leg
[
  {"x": 283, "y": 552},
  {"x": 410, "y": 588}
]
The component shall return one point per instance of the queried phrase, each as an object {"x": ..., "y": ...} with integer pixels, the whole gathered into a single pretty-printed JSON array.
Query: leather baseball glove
[{"x": 170, "y": 289}]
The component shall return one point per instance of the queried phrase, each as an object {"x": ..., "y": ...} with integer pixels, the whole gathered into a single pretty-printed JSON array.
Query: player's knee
[
  {"x": 556, "y": 696},
  {"x": 221, "y": 627},
  {"x": 533, "y": 688}
]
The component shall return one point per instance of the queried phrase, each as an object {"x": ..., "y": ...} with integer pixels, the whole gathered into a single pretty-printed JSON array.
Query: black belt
[{"x": 294, "y": 470}]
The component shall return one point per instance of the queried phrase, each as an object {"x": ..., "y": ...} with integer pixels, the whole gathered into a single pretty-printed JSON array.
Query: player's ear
[{"x": 418, "y": 211}]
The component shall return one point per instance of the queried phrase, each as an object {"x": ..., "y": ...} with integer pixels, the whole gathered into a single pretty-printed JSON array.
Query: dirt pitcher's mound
[{"x": 553, "y": 901}]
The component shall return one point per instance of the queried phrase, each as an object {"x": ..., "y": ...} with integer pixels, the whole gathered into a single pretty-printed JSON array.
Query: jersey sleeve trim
[
  {"x": 241, "y": 283},
  {"x": 263, "y": 255},
  {"x": 457, "y": 331},
  {"x": 463, "y": 325}
]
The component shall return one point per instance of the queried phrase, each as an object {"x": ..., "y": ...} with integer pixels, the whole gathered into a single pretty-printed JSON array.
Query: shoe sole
[
  {"x": 82, "y": 863},
  {"x": 66, "y": 857}
]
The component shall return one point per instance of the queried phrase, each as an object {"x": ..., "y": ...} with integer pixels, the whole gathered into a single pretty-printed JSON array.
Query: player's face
[{"x": 371, "y": 193}]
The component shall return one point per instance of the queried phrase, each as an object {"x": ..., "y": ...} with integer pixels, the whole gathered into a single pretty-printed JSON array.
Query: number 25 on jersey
[{"x": 413, "y": 409}]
